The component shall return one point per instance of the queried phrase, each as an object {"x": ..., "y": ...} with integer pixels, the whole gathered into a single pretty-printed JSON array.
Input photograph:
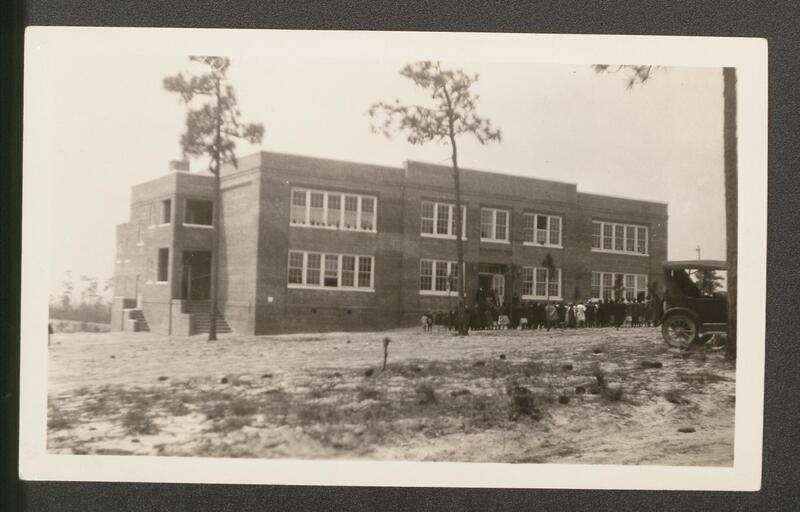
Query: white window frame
[
  {"x": 494, "y": 238},
  {"x": 186, "y": 209},
  {"x": 613, "y": 227},
  {"x": 451, "y": 209},
  {"x": 341, "y": 212},
  {"x": 548, "y": 230},
  {"x": 450, "y": 292},
  {"x": 321, "y": 284},
  {"x": 638, "y": 279},
  {"x": 534, "y": 295}
]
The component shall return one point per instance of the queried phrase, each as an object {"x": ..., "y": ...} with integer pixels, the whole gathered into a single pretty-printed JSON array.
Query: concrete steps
[
  {"x": 201, "y": 320},
  {"x": 140, "y": 322}
]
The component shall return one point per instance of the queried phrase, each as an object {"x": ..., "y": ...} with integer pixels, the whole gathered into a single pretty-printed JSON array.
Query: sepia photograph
[{"x": 326, "y": 251}]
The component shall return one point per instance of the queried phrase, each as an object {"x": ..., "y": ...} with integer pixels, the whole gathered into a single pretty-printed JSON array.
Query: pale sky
[{"x": 110, "y": 125}]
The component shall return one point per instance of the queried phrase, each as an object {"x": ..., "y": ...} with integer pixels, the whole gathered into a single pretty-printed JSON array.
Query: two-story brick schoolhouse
[{"x": 310, "y": 244}]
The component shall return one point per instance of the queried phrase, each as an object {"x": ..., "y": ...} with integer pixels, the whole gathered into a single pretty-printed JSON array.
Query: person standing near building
[
  {"x": 580, "y": 314},
  {"x": 550, "y": 315}
]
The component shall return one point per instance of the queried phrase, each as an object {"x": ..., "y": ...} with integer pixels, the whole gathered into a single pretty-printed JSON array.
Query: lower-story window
[
  {"x": 326, "y": 270},
  {"x": 536, "y": 280},
  {"x": 438, "y": 277},
  {"x": 618, "y": 285}
]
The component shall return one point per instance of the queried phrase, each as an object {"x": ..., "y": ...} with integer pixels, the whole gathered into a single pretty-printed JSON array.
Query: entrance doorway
[
  {"x": 196, "y": 275},
  {"x": 492, "y": 285}
]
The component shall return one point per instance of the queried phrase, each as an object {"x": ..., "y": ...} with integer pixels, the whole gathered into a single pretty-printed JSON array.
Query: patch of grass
[
  {"x": 316, "y": 393},
  {"x": 230, "y": 424},
  {"x": 675, "y": 396},
  {"x": 532, "y": 369},
  {"x": 425, "y": 394},
  {"x": 367, "y": 393},
  {"x": 58, "y": 422},
  {"x": 700, "y": 378},
  {"x": 138, "y": 422},
  {"x": 243, "y": 407}
]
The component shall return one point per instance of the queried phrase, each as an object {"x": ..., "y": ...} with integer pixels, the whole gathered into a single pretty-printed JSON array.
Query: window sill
[
  {"x": 329, "y": 288},
  {"x": 441, "y": 237},
  {"x": 163, "y": 224},
  {"x": 433, "y": 293},
  {"x": 624, "y": 253},
  {"x": 204, "y": 226},
  {"x": 495, "y": 241},
  {"x": 537, "y": 297},
  {"x": 162, "y": 282},
  {"x": 547, "y": 246},
  {"x": 332, "y": 228}
]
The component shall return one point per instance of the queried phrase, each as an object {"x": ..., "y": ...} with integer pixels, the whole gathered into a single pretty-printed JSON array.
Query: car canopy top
[{"x": 697, "y": 264}]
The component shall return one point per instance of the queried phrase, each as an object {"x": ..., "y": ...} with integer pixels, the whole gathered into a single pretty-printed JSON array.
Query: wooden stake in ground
[{"x": 386, "y": 342}]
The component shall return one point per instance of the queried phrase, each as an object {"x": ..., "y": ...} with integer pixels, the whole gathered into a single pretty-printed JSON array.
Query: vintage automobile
[{"x": 689, "y": 314}]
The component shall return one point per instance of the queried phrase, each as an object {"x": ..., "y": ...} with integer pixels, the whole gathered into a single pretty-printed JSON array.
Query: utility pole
[{"x": 698, "y": 251}]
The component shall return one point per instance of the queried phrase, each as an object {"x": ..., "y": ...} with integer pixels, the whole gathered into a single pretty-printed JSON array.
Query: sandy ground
[{"x": 489, "y": 397}]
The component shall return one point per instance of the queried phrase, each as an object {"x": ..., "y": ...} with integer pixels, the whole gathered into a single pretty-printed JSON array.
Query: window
[
  {"x": 610, "y": 285},
  {"x": 621, "y": 238},
  {"x": 295, "y": 267},
  {"x": 332, "y": 210},
  {"x": 364, "y": 272},
  {"x": 331, "y": 270},
  {"x": 163, "y": 265},
  {"x": 316, "y": 211},
  {"x": 535, "y": 283},
  {"x": 597, "y": 236},
  {"x": 313, "y": 265},
  {"x": 298, "y": 209},
  {"x": 350, "y": 212},
  {"x": 199, "y": 212},
  {"x": 324, "y": 270},
  {"x": 542, "y": 230},
  {"x": 348, "y": 270},
  {"x": 166, "y": 211},
  {"x": 494, "y": 225},
  {"x": 425, "y": 275},
  {"x": 438, "y": 277},
  {"x": 439, "y": 220},
  {"x": 367, "y": 214}
]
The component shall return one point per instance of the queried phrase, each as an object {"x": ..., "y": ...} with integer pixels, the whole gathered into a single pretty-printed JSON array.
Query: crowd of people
[{"x": 492, "y": 315}]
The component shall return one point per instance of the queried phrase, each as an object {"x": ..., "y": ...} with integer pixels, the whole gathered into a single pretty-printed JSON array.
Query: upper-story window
[
  {"x": 542, "y": 229},
  {"x": 199, "y": 212},
  {"x": 332, "y": 210},
  {"x": 621, "y": 238},
  {"x": 166, "y": 211},
  {"x": 494, "y": 225},
  {"x": 439, "y": 220}
]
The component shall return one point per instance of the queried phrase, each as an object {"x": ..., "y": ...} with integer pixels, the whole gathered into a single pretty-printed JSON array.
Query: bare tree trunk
[
  {"x": 212, "y": 320},
  {"x": 461, "y": 320},
  {"x": 731, "y": 201}
]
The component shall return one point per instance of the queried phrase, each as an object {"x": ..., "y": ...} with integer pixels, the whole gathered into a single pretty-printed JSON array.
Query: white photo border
[{"x": 749, "y": 56}]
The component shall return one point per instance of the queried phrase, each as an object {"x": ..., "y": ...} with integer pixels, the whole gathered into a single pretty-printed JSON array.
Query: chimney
[{"x": 178, "y": 166}]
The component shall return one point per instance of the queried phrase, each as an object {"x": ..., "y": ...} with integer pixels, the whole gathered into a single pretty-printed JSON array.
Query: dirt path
[{"x": 489, "y": 397}]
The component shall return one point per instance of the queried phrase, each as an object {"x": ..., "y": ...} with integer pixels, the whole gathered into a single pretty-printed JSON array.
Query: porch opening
[{"x": 196, "y": 275}]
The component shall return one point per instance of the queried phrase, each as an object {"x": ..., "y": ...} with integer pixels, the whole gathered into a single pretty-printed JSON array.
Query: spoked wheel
[{"x": 679, "y": 330}]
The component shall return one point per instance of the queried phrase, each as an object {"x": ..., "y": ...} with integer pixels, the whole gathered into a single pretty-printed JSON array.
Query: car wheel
[{"x": 679, "y": 330}]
